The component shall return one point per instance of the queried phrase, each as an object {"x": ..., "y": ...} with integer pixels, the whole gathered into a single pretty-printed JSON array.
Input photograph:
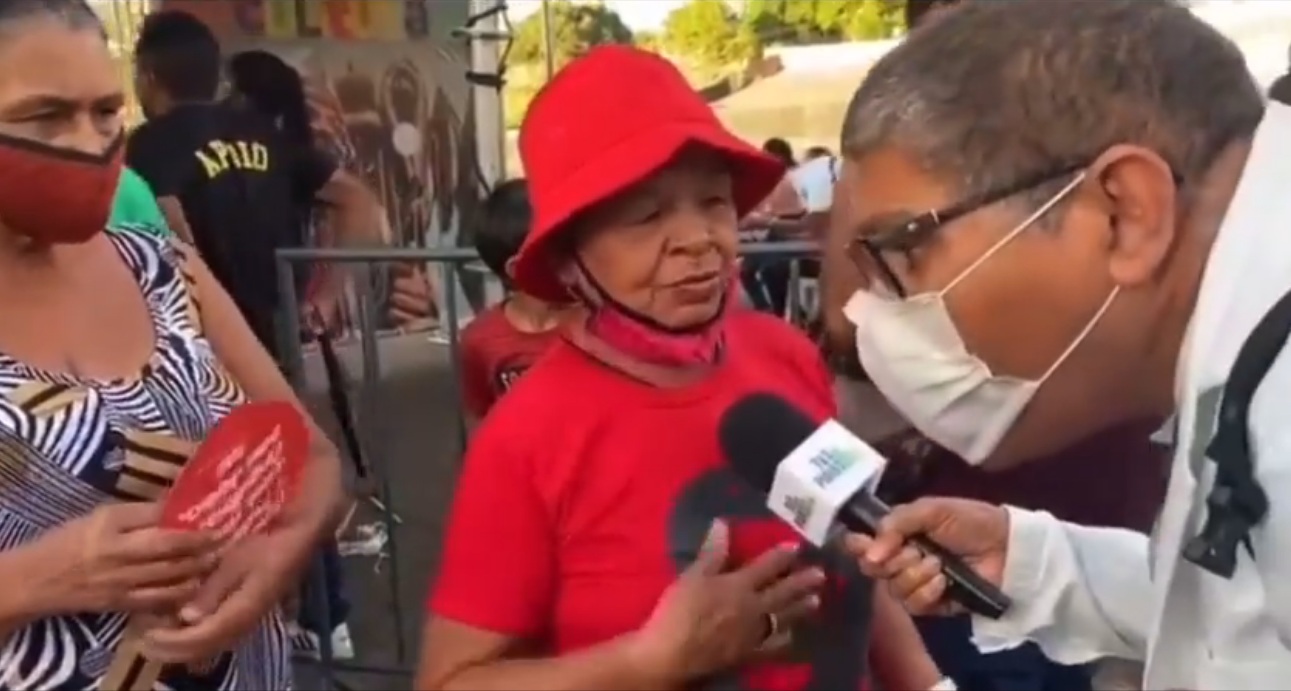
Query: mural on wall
[{"x": 393, "y": 106}]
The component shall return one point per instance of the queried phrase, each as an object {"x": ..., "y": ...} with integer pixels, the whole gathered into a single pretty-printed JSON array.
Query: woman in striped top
[{"x": 118, "y": 354}]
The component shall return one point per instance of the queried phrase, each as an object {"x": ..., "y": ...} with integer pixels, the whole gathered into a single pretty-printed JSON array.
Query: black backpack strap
[
  {"x": 1237, "y": 502},
  {"x": 339, "y": 397}
]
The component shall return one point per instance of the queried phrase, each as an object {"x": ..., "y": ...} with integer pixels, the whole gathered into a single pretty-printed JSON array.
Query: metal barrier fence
[{"x": 451, "y": 263}]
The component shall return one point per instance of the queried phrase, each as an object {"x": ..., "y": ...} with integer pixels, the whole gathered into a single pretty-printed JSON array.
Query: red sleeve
[
  {"x": 817, "y": 377},
  {"x": 497, "y": 566},
  {"x": 476, "y": 380}
]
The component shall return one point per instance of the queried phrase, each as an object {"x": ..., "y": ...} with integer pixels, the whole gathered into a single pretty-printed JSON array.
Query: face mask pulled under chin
[
  {"x": 55, "y": 195},
  {"x": 646, "y": 340},
  {"x": 913, "y": 352}
]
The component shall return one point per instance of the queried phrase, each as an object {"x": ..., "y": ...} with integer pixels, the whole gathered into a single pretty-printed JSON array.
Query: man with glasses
[
  {"x": 1062, "y": 216},
  {"x": 1111, "y": 475}
]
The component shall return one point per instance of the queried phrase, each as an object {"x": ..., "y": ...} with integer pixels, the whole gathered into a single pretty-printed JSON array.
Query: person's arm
[
  {"x": 898, "y": 656},
  {"x": 173, "y": 212},
  {"x": 839, "y": 278},
  {"x": 352, "y": 208},
  {"x": 353, "y": 216},
  {"x": 165, "y": 171},
  {"x": 319, "y": 506},
  {"x": 1079, "y": 593}
]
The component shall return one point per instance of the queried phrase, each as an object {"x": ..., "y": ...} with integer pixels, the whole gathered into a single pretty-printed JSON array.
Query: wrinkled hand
[
  {"x": 709, "y": 620},
  {"x": 976, "y": 531},
  {"x": 116, "y": 559},
  {"x": 249, "y": 581}
]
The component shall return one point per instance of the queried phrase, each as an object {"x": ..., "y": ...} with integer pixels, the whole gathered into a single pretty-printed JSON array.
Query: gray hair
[
  {"x": 995, "y": 92},
  {"x": 74, "y": 14}
]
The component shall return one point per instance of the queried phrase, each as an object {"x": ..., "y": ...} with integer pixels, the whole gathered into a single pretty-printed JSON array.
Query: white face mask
[{"x": 913, "y": 353}]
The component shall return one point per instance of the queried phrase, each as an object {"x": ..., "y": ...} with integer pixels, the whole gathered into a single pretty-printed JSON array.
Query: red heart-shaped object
[{"x": 240, "y": 478}]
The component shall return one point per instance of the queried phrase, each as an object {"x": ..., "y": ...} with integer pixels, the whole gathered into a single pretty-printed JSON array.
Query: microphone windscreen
[{"x": 758, "y": 432}]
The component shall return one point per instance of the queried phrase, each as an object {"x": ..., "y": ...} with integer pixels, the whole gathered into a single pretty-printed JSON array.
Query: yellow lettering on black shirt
[{"x": 219, "y": 156}]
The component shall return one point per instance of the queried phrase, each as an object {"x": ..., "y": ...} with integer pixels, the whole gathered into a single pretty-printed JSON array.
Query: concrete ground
[{"x": 408, "y": 424}]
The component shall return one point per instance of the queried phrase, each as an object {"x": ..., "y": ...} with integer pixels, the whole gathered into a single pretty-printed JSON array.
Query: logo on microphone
[
  {"x": 800, "y": 508},
  {"x": 830, "y": 464}
]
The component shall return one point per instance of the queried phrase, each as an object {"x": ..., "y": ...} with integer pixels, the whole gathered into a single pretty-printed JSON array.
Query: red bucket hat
[{"x": 603, "y": 123}]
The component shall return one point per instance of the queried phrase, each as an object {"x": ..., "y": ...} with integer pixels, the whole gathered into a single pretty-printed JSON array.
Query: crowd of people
[{"x": 1033, "y": 257}]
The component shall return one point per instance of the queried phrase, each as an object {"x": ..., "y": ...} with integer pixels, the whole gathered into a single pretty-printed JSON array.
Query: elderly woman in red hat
[{"x": 596, "y": 539}]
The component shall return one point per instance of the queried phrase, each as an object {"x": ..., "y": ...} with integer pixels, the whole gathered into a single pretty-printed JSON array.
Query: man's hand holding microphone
[
  {"x": 975, "y": 531},
  {"x": 820, "y": 478},
  {"x": 937, "y": 555}
]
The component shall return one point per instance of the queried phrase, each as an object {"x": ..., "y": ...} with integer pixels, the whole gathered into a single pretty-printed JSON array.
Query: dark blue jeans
[
  {"x": 1021, "y": 669},
  {"x": 338, "y": 607}
]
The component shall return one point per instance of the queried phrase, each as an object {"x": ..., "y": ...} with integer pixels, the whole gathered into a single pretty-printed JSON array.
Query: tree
[
  {"x": 575, "y": 27},
  {"x": 766, "y": 19},
  {"x": 870, "y": 21},
  {"x": 709, "y": 33},
  {"x": 648, "y": 40},
  {"x": 830, "y": 17},
  {"x": 821, "y": 21}
]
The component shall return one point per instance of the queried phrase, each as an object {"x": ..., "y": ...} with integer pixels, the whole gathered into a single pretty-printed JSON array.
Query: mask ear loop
[
  {"x": 1080, "y": 337},
  {"x": 1035, "y": 216},
  {"x": 1093, "y": 322}
]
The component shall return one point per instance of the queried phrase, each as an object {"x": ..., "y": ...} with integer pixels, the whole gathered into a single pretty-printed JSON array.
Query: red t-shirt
[
  {"x": 585, "y": 493},
  {"x": 494, "y": 355}
]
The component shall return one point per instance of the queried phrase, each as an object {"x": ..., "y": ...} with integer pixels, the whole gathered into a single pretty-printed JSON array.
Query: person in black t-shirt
[{"x": 227, "y": 179}]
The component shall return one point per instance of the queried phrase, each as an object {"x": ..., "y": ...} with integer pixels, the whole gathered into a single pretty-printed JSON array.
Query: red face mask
[
  {"x": 646, "y": 340},
  {"x": 55, "y": 195}
]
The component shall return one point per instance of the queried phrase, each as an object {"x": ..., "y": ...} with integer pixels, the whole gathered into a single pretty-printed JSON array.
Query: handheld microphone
[{"x": 816, "y": 476}]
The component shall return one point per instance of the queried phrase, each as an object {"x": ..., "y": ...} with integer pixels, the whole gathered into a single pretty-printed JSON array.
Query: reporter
[{"x": 1025, "y": 292}]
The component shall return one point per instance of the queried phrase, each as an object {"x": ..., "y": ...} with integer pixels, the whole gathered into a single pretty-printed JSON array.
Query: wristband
[{"x": 946, "y": 684}]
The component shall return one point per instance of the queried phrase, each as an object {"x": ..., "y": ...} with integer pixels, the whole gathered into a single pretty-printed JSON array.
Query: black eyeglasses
[{"x": 866, "y": 251}]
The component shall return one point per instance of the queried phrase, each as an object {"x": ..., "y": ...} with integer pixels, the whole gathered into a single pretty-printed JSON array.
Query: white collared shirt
[{"x": 1085, "y": 593}]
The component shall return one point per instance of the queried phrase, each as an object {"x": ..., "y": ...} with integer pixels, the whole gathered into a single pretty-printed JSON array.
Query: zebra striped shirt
[{"x": 69, "y": 444}]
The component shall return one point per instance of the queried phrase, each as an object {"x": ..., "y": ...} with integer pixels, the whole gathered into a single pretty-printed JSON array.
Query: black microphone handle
[{"x": 863, "y": 513}]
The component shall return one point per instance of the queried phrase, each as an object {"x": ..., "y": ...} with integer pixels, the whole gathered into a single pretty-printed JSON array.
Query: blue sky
[{"x": 638, "y": 14}]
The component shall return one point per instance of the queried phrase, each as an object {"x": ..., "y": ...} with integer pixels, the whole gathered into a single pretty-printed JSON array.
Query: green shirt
[{"x": 136, "y": 206}]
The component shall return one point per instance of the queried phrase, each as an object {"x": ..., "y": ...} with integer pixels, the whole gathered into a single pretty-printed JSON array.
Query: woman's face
[
  {"x": 58, "y": 86},
  {"x": 665, "y": 248}
]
